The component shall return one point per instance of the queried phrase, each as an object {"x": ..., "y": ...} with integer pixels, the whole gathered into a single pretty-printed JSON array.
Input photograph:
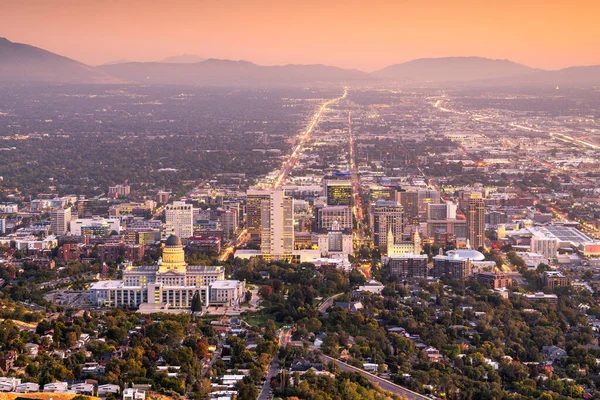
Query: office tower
[
  {"x": 254, "y": 200},
  {"x": 327, "y": 216},
  {"x": 476, "y": 221},
  {"x": 427, "y": 197},
  {"x": 59, "y": 220},
  {"x": 277, "y": 224},
  {"x": 338, "y": 192},
  {"x": 441, "y": 211},
  {"x": 410, "y": 203},
  {"x": 179, "y": 216},
  {"x": 388, "y": 216}
]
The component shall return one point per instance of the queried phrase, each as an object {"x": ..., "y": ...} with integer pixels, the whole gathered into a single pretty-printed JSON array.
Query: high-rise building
[
  {"x": 59, "y": 220},
  {"x": 427, "y": 197},
  {"x": 338, "y": 192},
  {"x": 388, "y": 216},
  {"x": 410, "y": 204},
  {"x": 179, "y": 217},
  {"x": 2, "y": 225},
  {"x": 277, "y": 225},
  {"x": 229, "y": 221},
  {"x": 254, "y": 200},
  {"x": 327, "y": 216},
  {"x": 476, "y": 221},
  {"x": 441, "y": 211}
]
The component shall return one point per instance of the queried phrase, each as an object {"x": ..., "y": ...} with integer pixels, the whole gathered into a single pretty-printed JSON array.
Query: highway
[
  {"x": 382, "y": 383},
  {"x": 288, "y": 165}
]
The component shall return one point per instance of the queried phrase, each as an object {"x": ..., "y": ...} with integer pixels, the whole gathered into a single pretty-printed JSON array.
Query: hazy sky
[{"x": 364, "y": 34}]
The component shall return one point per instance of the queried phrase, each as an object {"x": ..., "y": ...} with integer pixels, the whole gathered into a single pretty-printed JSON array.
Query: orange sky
[{"x": 364, "y": 34}]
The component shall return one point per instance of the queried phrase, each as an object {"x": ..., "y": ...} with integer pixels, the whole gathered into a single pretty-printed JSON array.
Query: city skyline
[{"x": 351, "y": 34}]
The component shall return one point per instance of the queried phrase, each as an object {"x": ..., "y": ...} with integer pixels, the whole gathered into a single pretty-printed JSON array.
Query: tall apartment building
[
  {"x": 59, "y": 220},
  {"x": 408, "y": 266},
  {"x": 388, "y": 216},
  {"x": 179, "y": 216},
  {"x": 277, "y": 225},
  {"x": 2, "y": 225},
  {"x": 327, "y": 216},
  {"x": 410, "y": 204},
  {"x": 453, "y": 267},
  {"x": 476, "y": 221},
  {"x": 254, "y": 199}
]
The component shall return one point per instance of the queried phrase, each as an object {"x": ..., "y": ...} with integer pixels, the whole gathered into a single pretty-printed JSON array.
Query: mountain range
[{"x": 22, "y": 63}]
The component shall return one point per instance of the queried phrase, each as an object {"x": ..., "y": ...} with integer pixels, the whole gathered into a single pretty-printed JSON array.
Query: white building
[
  {"x": 96, "y": 226},
  {"x": 9, "y": 384},
  {"x": 133, "y": 394},
  {"x": 9, "y": 208},
  {"x": 27, "y": 387},
  {"x": 56, "y": 387},
  {"x": 103, "y": 390},
  {"x": 277, "y": 225},
  {"x": 119, "y": 190},
  {"x": 335, "y": 241},
  {"x": 170, "y": 284},
  {"x": 179, "y": 217}
]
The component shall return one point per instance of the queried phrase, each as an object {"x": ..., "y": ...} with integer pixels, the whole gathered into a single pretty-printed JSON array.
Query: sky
[{"x": 362, "y": 34}]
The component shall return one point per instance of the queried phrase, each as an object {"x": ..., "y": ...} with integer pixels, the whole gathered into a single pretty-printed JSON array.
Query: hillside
[
  {"x": 453, "y": 69},
  {"x": 23, "y": 63}
]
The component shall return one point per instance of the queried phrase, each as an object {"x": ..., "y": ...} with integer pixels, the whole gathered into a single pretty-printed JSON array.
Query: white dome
[{"x": 473, "y": 255}]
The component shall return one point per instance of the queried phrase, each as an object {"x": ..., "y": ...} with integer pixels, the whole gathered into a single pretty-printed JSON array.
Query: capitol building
[{"x": 168, "y": 285}]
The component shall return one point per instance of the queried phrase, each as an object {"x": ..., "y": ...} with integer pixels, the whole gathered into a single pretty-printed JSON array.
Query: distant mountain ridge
[
  {"x": 21, "y": 63},
  {"x": 227, "y": 72},
  {"x": 453, "y": 69},
  {"x": 183, "y": 59}
]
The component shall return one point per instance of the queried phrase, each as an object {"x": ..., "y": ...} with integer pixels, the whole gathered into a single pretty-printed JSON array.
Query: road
[
  {"x": 357, "y": 208},
  {"x": 288, "y": 165},
  {"x": 234, "y": 244},
  {"x": 383, "y": 383},
  {"x": 273, "y": 371},
  {"x": 327, "y": 303}
]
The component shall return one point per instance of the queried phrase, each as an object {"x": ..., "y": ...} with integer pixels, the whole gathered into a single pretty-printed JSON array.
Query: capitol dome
[
  {"x": 173, "y": 241},
  {"x": 473, "y": 255}
]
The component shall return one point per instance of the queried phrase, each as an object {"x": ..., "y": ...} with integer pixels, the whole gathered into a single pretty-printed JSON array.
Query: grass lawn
[{"x": 260, "y": 320}]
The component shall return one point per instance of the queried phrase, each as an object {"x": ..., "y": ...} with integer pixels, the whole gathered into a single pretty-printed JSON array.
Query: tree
[
  {"x": 265, "y": 292},
  {"x": 196, "y": 303},
  {"x": 248, "y": 296}
]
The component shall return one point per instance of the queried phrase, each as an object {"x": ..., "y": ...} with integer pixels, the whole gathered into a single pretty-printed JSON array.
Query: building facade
[
  {"x": 179, "y": 216},
  {"x": 476, "y": 221},
  {"x": 170, "y": 284}
]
